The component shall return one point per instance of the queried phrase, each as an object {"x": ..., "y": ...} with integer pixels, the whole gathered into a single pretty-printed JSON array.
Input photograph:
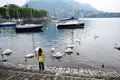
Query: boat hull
[
  {"x": 70, "y": 26},
  {"x": 28, "y": 29},
  {"x": 7, "y": 25}
]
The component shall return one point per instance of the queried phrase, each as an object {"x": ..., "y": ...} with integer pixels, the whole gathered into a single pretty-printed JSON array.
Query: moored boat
[
  {"x": 7, "y": 24},
  {"x": 70, "y": 24},
  {"x": 29, "y": 28}
]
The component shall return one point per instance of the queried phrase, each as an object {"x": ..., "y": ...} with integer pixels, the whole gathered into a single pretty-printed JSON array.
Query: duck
[
  {"x": 116, "y": 46},
  {"x": 102, "y": 65},
  {"x": 77, "y": 53},
  {"x": 57, "y": 54}
]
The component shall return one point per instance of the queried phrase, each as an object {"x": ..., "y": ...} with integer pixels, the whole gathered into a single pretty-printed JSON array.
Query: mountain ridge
[
  {"x": 60, "y": 4},
  {"x": 63, "y": 7}
]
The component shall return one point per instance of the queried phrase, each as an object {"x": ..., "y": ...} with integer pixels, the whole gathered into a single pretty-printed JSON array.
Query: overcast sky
[
  {"x": 104, "y": 5},
  {"x": 18, "y": 2}
]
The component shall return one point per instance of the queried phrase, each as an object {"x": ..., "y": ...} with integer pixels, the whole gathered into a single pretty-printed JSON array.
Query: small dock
[{"x": 54, "y": 73}]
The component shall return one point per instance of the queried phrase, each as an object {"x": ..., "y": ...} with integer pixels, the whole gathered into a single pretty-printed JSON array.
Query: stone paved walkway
[{"x": 54, "y": 73}]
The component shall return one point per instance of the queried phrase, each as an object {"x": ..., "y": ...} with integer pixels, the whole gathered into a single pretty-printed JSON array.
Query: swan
[
  {"x": 57, "y": 54},
  {"x": 36, "y": 51},
  {"x": 96, "y": 36},
  {"x": 69, "y": 50},
  {"x": 78, "y": 40},
  {"x": 69, "y": 46},
  {"x": 6, "y": 52},
  {"x": 28, "y": 56},
  {"x": 53, "y": 49}
]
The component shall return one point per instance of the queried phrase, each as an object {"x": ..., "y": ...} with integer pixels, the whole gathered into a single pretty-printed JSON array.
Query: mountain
[{"x": 61, "y": 6}]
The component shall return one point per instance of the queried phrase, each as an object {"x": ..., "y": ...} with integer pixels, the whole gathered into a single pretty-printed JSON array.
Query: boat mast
[
  {"x": 18, "y": 14},
  {"x": 7, "y": 11},
  {"x": 31, "y": 12},
  {"x": 27, "y": 6},
  {"x": 72, "y": 10}
]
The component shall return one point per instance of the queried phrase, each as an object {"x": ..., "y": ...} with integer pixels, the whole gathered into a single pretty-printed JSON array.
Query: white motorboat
[
  {"x": 70, "y": 24},
  {"x": 29, "y": 27}
]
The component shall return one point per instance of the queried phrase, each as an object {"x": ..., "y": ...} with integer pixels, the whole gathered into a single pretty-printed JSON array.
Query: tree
[{"x": 16, "y": 11}]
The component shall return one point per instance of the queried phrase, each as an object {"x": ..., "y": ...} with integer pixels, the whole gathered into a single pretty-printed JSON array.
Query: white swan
[
  {"x": 70, "y": 46},
  {"x": 96, "y": 36},
  {"x": 57, "y": 54},
  {"x": 78, "y": 40},
  {"x": 69, "y": 50},
  {"x": 28, "y": 55},
  {"x": 6, "y": 52},
  {"x": 36, "y": 51},
  {"x": 53, "y": 49}
]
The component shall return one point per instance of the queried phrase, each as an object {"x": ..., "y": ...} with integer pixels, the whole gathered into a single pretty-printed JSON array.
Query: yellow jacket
[{"x": 41, "y": 58}]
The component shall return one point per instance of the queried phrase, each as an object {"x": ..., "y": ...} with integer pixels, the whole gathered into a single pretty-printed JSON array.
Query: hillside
[
  {"x": 61, "y": 7},
  {"x": 65, "y": 8}
]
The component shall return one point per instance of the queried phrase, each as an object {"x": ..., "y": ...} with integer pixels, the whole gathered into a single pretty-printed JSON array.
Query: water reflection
[{"x": 91, "y": 51}]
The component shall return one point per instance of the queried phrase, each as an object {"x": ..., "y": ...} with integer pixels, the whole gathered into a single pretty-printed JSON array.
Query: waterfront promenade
[{"x": 12, "y": 71}]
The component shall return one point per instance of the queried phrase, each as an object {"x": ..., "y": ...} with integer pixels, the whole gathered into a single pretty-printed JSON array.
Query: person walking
[{"x": 41, "y": 59}]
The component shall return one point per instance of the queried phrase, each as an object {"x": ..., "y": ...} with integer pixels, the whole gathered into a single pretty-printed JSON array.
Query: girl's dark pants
[{"x": 41, "y": 65}]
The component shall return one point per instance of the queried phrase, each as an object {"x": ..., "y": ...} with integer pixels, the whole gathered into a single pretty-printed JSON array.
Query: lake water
[{"x": 93, "y": 52}]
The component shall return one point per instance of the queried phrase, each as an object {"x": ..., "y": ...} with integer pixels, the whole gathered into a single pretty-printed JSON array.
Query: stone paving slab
[
  {"x": 21, "y": 75},
  {"x": 54, "y": 73}
]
